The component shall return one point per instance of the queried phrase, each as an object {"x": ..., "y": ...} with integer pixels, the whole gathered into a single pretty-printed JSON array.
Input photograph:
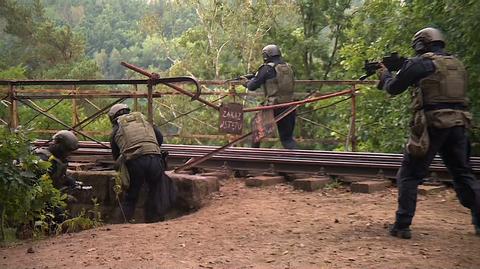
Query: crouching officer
[
  {"x": 63, "y": 144},
  {"x": 439, "y": 125},
  {"x": 278, "y": 81},
  {"x": 135, "y": 147}
]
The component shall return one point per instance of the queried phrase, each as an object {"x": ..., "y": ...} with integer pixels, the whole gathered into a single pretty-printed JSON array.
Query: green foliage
[
  {"x": 26, "y": 200},
  {"x": 335, "y": 184},
  {"x": 84, "y": 221},
  {"x": 16, "y": 72}
]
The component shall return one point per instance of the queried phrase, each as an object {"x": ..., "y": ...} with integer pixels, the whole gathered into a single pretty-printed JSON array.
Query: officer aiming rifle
[
  {"x": 242, "y": 77},
  {"x": 394, "y": 62}
]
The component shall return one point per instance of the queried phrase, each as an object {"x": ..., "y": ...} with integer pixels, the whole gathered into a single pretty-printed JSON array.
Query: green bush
[{"x": 27, "y": 200}]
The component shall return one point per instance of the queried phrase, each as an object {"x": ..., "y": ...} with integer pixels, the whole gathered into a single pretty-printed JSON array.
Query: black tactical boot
[
  {"x": 476, "y": 223},
  {"x": 404, "y": 233}
]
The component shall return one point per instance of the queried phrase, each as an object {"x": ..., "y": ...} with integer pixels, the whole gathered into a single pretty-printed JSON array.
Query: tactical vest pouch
[
  {"x": 419, "y": 141},
  {"x": 123, "y": 178},
  {"x": 447, "y": 118}
]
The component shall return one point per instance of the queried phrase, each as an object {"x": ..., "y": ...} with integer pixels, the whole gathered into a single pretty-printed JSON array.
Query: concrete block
[
  {"x": 426, "y": 190},
  {"x": 101, "y": 182},
  {"x": 193, "y": 189},
  {"x": 352, "y": 179},
  {"x": 220, "y": 175},
  {"x": 259, "y": 181},
  {"x": 294, "y": 176},
  {"x": 369, "y": 186},
  {"x": 311, "y": 183}
]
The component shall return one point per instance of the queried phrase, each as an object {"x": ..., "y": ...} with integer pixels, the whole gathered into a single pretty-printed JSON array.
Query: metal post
[
  {"x": 13, "y": 108},
  {"x": 135, "y": 100},
  {"x": 150, "y": 103},
  {"x": 352, "y": 133},
  {"x": 74, "y": 107}
]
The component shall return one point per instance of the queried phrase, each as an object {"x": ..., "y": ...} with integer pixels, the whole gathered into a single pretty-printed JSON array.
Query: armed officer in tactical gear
[
  {"x": 135, "y": 146},
  {"x": 278, "y": 80},
  {"x": 439, "y": 124},
  {"x": 63, "y": 144}
]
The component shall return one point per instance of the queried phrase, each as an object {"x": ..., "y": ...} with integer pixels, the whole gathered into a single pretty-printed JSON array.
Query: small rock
[
  {"x": 30, "y": 250},
  {"x": 91, "y": 249}
]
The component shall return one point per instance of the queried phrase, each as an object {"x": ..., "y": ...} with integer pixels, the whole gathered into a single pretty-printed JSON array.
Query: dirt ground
[{"x": 271, "y": 227}]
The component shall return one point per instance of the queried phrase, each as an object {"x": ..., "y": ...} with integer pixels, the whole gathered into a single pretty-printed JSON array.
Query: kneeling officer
[
  {"x": 136, "y": 149},
  {"x": 63, "y": 144}
]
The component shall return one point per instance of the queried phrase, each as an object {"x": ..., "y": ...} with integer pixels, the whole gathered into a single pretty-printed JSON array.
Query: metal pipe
[
  {"x": 146, "y": 81},
  {"x": 298, "y": 103},
  {"x": 13, "y": 108},
  {"x": 154, "y": 78}
]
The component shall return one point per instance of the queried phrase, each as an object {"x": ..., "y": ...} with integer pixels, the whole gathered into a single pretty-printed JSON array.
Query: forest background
[{"x": 210, "y": 39}]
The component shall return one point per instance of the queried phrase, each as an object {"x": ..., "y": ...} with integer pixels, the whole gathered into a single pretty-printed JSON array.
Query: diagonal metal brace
[{"x": 155, "y": 79}]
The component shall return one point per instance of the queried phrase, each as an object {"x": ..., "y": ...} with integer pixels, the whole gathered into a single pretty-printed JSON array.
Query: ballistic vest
[
  {"x": 280, "y": 88},
  {"x": 135, "y": 136},
  {"x": 58, "y": 169},
  {"x": 448, "y": 84}
]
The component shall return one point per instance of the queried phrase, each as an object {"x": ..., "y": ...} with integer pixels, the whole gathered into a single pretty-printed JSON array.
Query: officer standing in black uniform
[
  {"x": 135, "y": 146},
  {"x": 439, "y": 125},
  {"x": 278, "y": 80}
]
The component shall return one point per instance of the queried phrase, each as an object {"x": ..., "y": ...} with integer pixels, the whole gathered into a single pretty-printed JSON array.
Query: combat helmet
[
  {"x": 117, "y": 110},
  {"x": 270, "y": 51},
  {"x": 426, "y": 36},
  {"x": 66, "y": 139}
]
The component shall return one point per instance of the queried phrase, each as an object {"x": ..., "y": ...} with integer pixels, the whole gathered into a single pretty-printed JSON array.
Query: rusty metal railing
[{"x": 26, "y": 93}]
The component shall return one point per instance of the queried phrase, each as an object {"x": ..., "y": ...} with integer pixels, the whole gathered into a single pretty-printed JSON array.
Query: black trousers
[
  {"x": 285, "y": 128},
  {"x": 145, "y": 169},
  {"x": 453, "y": 145}
]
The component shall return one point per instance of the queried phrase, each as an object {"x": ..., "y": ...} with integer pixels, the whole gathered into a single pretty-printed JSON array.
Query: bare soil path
[{"x": 272, "y": 227}]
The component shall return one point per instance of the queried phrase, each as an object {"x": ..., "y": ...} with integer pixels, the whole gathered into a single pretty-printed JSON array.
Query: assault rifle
[
  {"x": 393, "y": 63},
  {"x": 247, "y": 76}
]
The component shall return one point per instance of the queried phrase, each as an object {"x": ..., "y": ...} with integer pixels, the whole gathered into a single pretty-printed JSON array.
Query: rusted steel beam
[
  {"x": 85, "y": 121},
  {"x": 44, "y": 110},
  {"x": 302, "y": 102},
  {"x": 299, "y": 82},
  {"x": 150, "y": 104},
  {"x": 75, "y": 118},
  {"x": 168, "y": 80},
  {"x": 280, "y": 160},
  {"x": 92, "y": 104},
  {"x": 80, "y": 96},
  {"x": 353, "y": 119},
  {"x": 74, "y": 82},
  {"x": 195, "y": 136},
  {"x": 59, "y": 121},
  {"x": 154, "y": 79},
  {"x": 135, "y": 100},
  {"x": 13, "y": 107}
]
